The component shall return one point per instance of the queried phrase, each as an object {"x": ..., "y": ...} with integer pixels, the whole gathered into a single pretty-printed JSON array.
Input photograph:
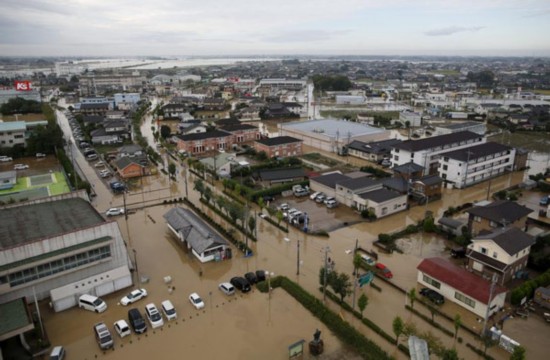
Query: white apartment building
[
  {"x": 289, "y": 84},
  {"x": 469, "y": 166},
  {"x": 16, "y": 132},
  {"x": 414, "y": 118},
  {"x": 124, "y": 100},
  {"x": 426, "y": 152}
]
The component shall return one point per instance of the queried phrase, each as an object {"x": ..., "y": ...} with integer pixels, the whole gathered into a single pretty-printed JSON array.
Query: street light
[
  {"x": 269, "y": 275},
  {"x": 136, "y": 264}
]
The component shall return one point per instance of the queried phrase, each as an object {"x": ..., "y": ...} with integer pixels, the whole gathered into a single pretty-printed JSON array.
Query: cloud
[
  {"x": 452, "y": 30},
  {"x": 304, "y": 36}
]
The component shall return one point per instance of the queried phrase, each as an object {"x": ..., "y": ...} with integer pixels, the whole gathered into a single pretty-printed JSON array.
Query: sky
[{"x": 271, "y": 28}]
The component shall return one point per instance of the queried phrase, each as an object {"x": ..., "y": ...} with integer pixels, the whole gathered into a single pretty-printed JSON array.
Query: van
[
  {"x": 168, "y": 310},
  {"x": 91, "y": 157},
  {"x": 92, "y": 303},
  {"x": 227, "y": 288},
  {"x": 58, "y": 353},
  {"x": 103, "y": 336}
]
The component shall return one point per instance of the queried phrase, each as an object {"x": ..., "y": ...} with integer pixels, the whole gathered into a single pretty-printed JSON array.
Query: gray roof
[
  {"x": 199, "y": 235},
  {"x": 130, "y": 149},
  {"x": 396, "y": 183},
  {"x": 124, "y": 161},
  {"x": 375, "y": 147},
  {"x": 358, "y": 183},
  {"x": 380, "y": 195},
  {"x": 282, "y": 174},
  {"x": 27, "y": 223},
  {"x": 330, "y": 180},
  {"x": 333, "y": 128},
  {"x": 452, "y": 223},
  {"x": 204, "y": 135},
  {"x": 432, "y": 142},
  {"x": 279, "y": 140},
  {"x": 8, "y": 175},
  {"x": 462, "y": 125},
  {"x": 501, "y": 210},
  {"x": 512, "y": 240},
  {"x": 476, "y": 152},
  {"x": 238, "y": 127},
  {"x": 430, "y": 180},
  {"x": 408, "y": 168}
]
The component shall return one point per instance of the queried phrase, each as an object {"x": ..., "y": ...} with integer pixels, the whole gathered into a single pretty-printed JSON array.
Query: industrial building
[{"x": 332, "y": 135}]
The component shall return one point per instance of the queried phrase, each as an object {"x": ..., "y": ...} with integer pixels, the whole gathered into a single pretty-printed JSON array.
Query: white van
[
  {"x": 92, "y": 303},
  {"x": 58, "y": 353},
  {"x": 169, "y": 310}
]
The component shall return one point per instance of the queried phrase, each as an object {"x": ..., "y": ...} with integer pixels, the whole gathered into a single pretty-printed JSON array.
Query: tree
[
  {"x": 208, "y": 193},
  {"x": 362, "y": 303},
  {"x": 518, "y": 354},
  {"x": 261, "y": 203},
  {"x": 341, "y": 285},
  {"x": 356, "y": 263},
  {"x": 165, "y": 131},
  {"x": 330, "y": 275},
  {"x": 457, "y": 323},
  {"x": 199, "y": 186},
  {"x": 449, "y": 354},
  {"x": 412, "y": 296},
  {"x": 235, "y": 211},
  {"x": 251, "y": 224},
  {"x": 220, "y": 200},
  {"x": 398, "y": 327},
  {"x": 487, "y": 343},
  {"x": 172, "y": 169},
  {"x": 279, "y": 215}
]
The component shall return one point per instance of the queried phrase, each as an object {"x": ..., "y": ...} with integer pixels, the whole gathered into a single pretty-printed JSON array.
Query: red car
[{"x": 384, "y": 270}]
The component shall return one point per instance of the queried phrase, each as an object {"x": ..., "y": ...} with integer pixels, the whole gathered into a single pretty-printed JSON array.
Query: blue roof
[{"x": 13, "y": 126}]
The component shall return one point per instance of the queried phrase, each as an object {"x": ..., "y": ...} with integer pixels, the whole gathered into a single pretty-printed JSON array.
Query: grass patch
[
  {"x": 532, "y": 140},
  {"x": 320, "y": 159}
]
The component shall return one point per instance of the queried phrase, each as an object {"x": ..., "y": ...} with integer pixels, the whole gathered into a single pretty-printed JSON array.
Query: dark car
[
  {"x": 117, "y": 186},
  {"x": 137, "y": 321},
  {"x": 433, "y": 295},
  {"x": 458, "y": 252},
  {"x": 260, "y": 275},
  {"x": 251, "y": 277},
  {"x": 240, "y": 283},
  {"x": 544, "y": 200}
]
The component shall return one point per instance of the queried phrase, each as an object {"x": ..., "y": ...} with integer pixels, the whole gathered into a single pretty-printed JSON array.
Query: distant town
[{"x": 394, "y": 207}]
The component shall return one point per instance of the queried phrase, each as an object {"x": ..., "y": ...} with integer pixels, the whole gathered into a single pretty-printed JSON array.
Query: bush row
[
  {"x": 428, "y": 320},
  {"x": 343, "y": 330},
  {"x": 375, "y": 171},
  {"x": 274, "y": 223},
  {"x": 239, "y": 244},
  {"x": 479, "y": 352},
  {"x": 228, "y": 219},
  {"x": 527, "y": 289}
]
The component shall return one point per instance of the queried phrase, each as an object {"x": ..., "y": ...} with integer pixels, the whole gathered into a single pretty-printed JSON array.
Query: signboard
[
  {"x": 296, "y": 349},
  {"x": 23, "y": 86}
]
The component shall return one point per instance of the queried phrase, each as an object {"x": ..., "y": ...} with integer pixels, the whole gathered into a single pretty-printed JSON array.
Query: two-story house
[
  {"x": 503, "y": 252},
  {"x": 244, "y": 133},
  {"x": 373, "y": 151},
  {"x": 199, "y": 143},
  {"x": 501, "y": 213},
  {"x": 280, "y": 146}
]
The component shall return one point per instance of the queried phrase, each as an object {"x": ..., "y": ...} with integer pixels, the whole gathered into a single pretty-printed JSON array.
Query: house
[
  {"x": 453, "y": 226},
  {"x": 398, "y": 184},
  {"x": 427, "y": 187},
  {"x": 413, "y": 119},
  {"x": 92, "y": 119},
  {"x": 408, "y": 171},
  {"x": 250, "y": 113},
  {"x": 120, "y": 127},
  {"x": 374, "y": 151},
  {"x": 346, "y": 190},
  {"x": 126, "y": 100},
  {"x": 8, "y": 179},
  {"x": 381, "y": 202},
  {"x": 214, "y": 104},
  {"x": 280, "y": 146},
  {"x": 191, "y": 128},
  {"x": 94, "y": 108},
  {"x": 426, "y": 152},
  {"x": 503, "y": 252},
  {"x": 132, "y": 150},
  {"x": 175, "y": 110},
  {"x": 489, "y": 216},
  {"x": 277, "y": 176},
  {"x": 221, "y": 163},
  {"x": 12, "y": 133},
  {"x": 114, "y": 114},
  {"x": 128, "y": 167},
  {"x": 100, "y": 136},
  {"x": 521, "y": 158},
  {"x": 195, "y": 235},
  {"x": 326, "y": 183},
  {"x": 199, "y": 143},
  {"x": 461, "y": 286},
  {"x": 469, "y": 166},
  {"x": 542, "y": 297},
  {"x": 243, "y": 133}
]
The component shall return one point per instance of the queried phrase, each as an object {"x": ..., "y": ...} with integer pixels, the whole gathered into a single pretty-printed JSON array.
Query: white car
[
  {"x": 154, "y": 316},
  {"x": 314, "y": 195},
  {"x": 169, "y": 310},
  {"x": 4, "y": 158},
  {"x": 134, "y": 296},
  {"x": 122, "y": 328},
  {"x": 40, "y": 155},
  {"x": 196, "y": 301},
  {"x": 20, "y": 167},
  {"x": 114, "y": 212}
]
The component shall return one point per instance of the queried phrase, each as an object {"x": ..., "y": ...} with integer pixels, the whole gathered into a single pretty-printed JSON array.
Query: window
[
  {"x": 495, "y": 255},
  {"x": 436, "y": 284},
  {"x": 483, "y": 250},
  {"x": 466, "y": 300},
  {"x": 445, "y": 167},
  {"x": 396, "y": 157}
]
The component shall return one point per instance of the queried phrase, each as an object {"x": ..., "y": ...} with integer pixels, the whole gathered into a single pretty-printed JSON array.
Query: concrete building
[
  {"x": 332, "y": 135},
  {"x": 472, "y": 126},
  {"x": 126, "y": 100},
  {"x": 16, "y": 132},
  {"x": 280, "y": 146},
  {"x": 414, "y": 119},
  {"x": 92, "y": 84},
  {"x": 466, "y": 167},
  {"x": 51, "y": 243},
  {"x": 7, "y": 93},
  {"x": 461, "y": 286},
  {"x": 426, "y": 152},
  {"x": 243, "y": 133},
  {"x": 287, "y": 84}
]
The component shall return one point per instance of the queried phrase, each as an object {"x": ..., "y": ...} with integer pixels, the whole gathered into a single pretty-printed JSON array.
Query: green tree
[
  {"x": 279, "y": 216},
  {"x": 235, "y": 211},
  {"x": 518, "y": 354},
  {"x": 172, "y": 169},
  {"x": 457, "y": 324},
  {"x": 341, "y": 284},
  {"x": 398, "y": 327},
  {"x": 449, "y": 354},
  {"x": 330, "y": 275},
  {"x": 261, "y": 203},
  {"x": 199, "y": 186},
  {"x": 208, "y": 193},
  {"x": 362, "y": 303},
  {"x": 251, "y": 224},
  {"x": 412, "y": 296},
  {"x": 165, "y": 131},
  {"x": 356, "y": 263}
]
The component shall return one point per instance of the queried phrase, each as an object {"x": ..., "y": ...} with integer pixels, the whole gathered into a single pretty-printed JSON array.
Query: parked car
[
  {"x": 117, "y": 186},
  {"x": 169, "y": 310},
  {"x": 91, "y": 157},
  {"x": 251, "y": 278},
  {"x": 433, "y": 295},
  {"x": 103, "y": 336},
  {"x": 301, "y": 192},
  {"x": 545, "y": 200},
  {"x": 99, "y": 164},
  {"x": 114, "y": 212},
  {"x": 260, "y": 275},
  {"x": 20, "y": 166},
  {"x": 240, "y": 283},
  {"x": 122, "y": 328},
  {"x": 458, "y": 252},
  {"x": 137, "y": 321},
  {"x": 368, "y": 260},
  {"x": 284, "y": 207},
  {"x": 105, "y": 173},
  {"x": 227, "y": 288},
  {"x": 134, "y": 296},
  {"x": 4, "y": 158},
  {"x": 92, "y": 303},
  {"x": 58, "y": 353},
  {"x": 320, "y": 198},
  {"x": 314, "y": 195},
  {"x": 331, "y": 204},
  {"x": 384, "y": 270},
  {"x": 153, "y": 315},
  {"x": 196, "y": 301},
  {"x": 40, "y": 155}
]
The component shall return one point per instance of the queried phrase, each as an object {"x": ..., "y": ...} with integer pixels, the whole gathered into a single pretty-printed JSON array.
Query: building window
[
  {"x": 495, "y": 255},
  {"x": 483, "y": 250},
  {"x": 445, "y": 167},
  {"x": 396, "y": 157},
  {"x": 428, "y": 280},
  {"x": 466, "y": 300}
]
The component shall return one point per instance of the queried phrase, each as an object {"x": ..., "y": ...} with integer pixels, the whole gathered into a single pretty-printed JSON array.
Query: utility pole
[
  {"x": 492, "y": 289},
  {"x": 355, "y": 273},
  {"x": 298, "y": 259},
  {"x": 327, "y": 249}
]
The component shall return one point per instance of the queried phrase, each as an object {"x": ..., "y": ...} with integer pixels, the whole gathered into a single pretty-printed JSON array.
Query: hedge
[
  {"x": 479, "y": 352},
  {"x": 229, "y": 220},
  {"x": 527, "y": 289},
  {"x": 366, "y": 348},
  {"x": 429, "y": 320}
]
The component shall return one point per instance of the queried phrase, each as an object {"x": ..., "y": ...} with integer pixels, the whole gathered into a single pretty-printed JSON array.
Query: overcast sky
[{"x": 277, "y": 27}]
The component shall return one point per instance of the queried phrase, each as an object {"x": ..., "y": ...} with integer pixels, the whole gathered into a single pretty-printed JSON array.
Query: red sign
[{"x": 23, "y": 86}]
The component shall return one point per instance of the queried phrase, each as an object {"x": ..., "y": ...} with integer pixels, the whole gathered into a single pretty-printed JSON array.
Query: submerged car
[
  {"x": 196, "y": 301},
  {"x": 114, "y": 212},
  {"x": 134, "y": 296}
]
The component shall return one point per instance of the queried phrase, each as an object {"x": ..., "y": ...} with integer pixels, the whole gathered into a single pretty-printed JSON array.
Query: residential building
[
  {"x": 199, "y": 143},
  {"x": 100, "y": 136},
  {"x": 542, "y": 297},
  {"x": 127, "y": 167},
  {"x": 453, "y": 226},
  {"x": 502, "y": 252},
  {"x": 427, "y": 188},
  {"x": 131, "y": 150},
  {"x": 469, "y": 166},
  {"x": 346, "y": 190},
  {"x": 461, "y": 286},
  {"x": 489, "y": 216},
  {"x": 326, "y": 183},
  {"x": 92, "y": 84},
  {"x": 331, "y": 135},
  {"x": 374, "y": 151},
  {"x": 473, "y": 126},
  {"x": 426, "y": 152},
  {"x": 8, "y": 179},
  {"x": 49, "y": 246},
  {"x": 243, "y": 133},
  {"x": 7, "y": 93},
  {"x": 414, "y": 119},
  {"x": 175, "y": 110},
  {"x": 16, "y": 132},
  {"x": 126, "y": 100},
  {"x": 94, "y": 109},
  {"x": 286, "y": 84},
  {"x": 278, "y": 176},
  {"x": 280, "y": 146},
  {"x": 409, "y": 171},
  {"x": 381, "y": 202},
  {"x": 196, "y": 236}
]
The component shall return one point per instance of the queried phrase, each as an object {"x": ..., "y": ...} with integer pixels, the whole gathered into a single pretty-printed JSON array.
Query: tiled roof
[
  {"x": 476, "y": 152},
  {"x": 330, "y": 180},
  {"x": 279, "y": 140},
  {"x": 458, "y": 278},
  {"x": 512, "y": 240},
  {"x": 432, "y": 142},
  {"x": 501, "y": 210},
  {"x": 381, "y": 195},
  {"x": 204, "y": 135}
]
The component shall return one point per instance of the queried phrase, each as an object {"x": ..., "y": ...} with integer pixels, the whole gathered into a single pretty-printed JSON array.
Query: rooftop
[
  {"x": 13, "y": 126},
  {"x": 512, "y": 240},
  {"x": 381, "y": 195},
  {"x": 436, "y": 141},
  {"x": 501, "y": 211},
  {"x": 330, "y": 180},
  {"x": 23, "y": 224},
  {"x": 476, "y": 152},
  {"x": 282, "y": 174},
  {"x": 333, "y": 128},
  {"x": 279, "y": 140},
  {"x": 375, "y": 147},
  {"x": 204, "y": 135}
]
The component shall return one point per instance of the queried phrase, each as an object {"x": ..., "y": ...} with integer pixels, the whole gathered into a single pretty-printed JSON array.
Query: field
[{"x": 537, "y": 141}]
